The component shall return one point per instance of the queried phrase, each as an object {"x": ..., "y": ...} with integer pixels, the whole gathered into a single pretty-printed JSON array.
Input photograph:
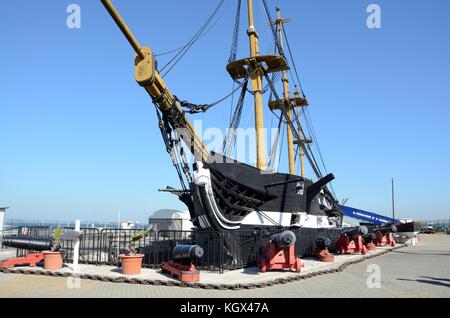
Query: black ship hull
[
  {"x": 243, "y": 206},
  {"x": 229, "y": 195}
]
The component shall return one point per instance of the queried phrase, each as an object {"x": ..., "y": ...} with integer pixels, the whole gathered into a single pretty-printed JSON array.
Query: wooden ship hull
[{"x": 228, "y": 195}]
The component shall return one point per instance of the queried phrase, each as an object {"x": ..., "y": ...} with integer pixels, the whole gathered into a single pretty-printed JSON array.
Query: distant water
[{"x": 9, "y": 223}]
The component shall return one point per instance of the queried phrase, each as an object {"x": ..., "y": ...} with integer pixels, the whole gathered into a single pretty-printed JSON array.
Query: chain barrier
[{"x": 157, "y": 282}]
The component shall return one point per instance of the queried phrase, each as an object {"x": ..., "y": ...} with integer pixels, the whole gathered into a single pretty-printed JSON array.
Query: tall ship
[{"x": 222, "y": 194}]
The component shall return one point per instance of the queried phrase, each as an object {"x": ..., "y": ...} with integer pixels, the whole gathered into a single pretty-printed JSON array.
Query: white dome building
[{"x": 170, "y": 220}]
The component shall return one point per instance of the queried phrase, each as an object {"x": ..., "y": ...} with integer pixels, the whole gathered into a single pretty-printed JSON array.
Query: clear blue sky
[{"x": 79, "y": 137}]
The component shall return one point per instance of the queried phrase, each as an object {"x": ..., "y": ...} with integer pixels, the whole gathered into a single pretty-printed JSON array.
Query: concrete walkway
[
  {"x": 416, "y": 271},
  {"x": 249, "y": 275}
]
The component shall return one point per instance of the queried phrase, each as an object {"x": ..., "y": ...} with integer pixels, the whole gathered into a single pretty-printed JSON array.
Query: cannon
[
  {"x": 386, "y": 229},
  {"x": 27, "y": 243},
  {"x": 322, "y": 252},
  {"x": 283, "y": 239},
  {"x": 187, "y": 253},
  {"x": 384, "y": 235},
  {"x": 323, "y": 243},
  {"x": 279, "y": 253},
  {"x": 314, "y": 189},
  {"x": 350, "y": 240},
  {"x": 182, "y": 265},
  {"x": 369, "y": 241},
  {"x": 355, "y": 231}
]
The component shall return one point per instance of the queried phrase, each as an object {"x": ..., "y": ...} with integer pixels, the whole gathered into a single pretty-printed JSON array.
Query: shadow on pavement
[
  {"x": 443, "y": 279},
  {"x": 420, "y": 253},
  {"x": 433, "y": 281}
]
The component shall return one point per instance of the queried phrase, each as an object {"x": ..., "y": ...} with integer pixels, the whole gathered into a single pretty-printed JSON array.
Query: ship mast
[
  {"x": 290, "y": 142},
  {"x": 301, "y": 142},
  {"x": 257, "y": 91},
  {"x": 288, "y": 103}
]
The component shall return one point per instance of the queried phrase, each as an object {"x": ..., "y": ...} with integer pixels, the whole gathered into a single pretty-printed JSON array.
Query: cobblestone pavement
[{"x": 416, "y": 271}]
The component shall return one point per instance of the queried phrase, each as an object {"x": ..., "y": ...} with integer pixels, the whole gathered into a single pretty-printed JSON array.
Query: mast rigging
[{"x": 223, "y": 194}]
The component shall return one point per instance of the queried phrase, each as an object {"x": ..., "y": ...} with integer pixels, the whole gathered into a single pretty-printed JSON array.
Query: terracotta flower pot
[
  {"x": 53, "y": 260},
  {"x": 131, "y": 264}
]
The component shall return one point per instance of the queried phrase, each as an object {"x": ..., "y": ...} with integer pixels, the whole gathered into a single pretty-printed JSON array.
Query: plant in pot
[
  {"x": 132, "y": 261},
  {"x": 53, "y": 259}
]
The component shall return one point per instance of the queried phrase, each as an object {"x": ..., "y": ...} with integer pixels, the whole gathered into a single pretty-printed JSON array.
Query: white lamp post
[{"x": 75, "y": 237}]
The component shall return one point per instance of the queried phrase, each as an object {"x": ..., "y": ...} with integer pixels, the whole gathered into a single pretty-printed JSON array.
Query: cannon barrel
[
  {"x": 27, "y": 243},
  {"x": 283, "y": 239},
  {"x": 185, "y": 252},
  {"x": 323, "y": 243},
  {"x": 354, "y": 231},
  {"x": 386, "y": 229},
  {"x": 315, "y": 188},
  {"x": 369, "y": 237}
]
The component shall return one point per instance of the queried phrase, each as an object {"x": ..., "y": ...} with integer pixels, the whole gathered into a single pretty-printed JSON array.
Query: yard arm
[{"x": 149, "y": 78}]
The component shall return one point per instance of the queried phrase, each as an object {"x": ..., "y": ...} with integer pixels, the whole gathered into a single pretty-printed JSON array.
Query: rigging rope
[
  {"x": 314, "y": 166},
  {"x": 316, "y": 144},
  {"x": 272, "y": 27},
  {"x": 273, "y": 151},
  {"x": 200, "y": 37},
  {"x": 281, "y": 148},
  {"x": 232, "y": 102},
  {"x": 201, "y": 108},
  {"x": 233, "y": 52},
  {"x": 191, "y": 42},
  {"x": 230, "y": 140},
  {"x": 306, "y": 111},
  {"x": 274, "y": 147},
  {"x": 168, "y": 140},
  {"x": 171, "y": 51},
  {"x": 235, "y": 38},
  {"x": 179, "y": 160},
  {"x": 293, "y": 62}
]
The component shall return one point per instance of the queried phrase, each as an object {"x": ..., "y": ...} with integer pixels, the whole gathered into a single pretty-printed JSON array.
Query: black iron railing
[{"x": 222, "y": 250}]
